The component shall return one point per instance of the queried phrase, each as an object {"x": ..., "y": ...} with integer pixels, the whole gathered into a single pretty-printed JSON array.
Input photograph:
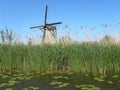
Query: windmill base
[{"x": 49, "y": 37}]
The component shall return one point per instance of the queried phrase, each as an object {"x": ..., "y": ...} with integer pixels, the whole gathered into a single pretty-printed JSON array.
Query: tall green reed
[
  {"x": 6, "y": 36},
  {"x": 86, "y": 57}
]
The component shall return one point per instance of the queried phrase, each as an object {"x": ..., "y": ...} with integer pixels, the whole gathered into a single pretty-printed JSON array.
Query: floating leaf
[
  {"x": 20, "y": 78},
  {"x": 14, "y": 78},
  {"x": 66, "y": 78},
  {"x": 1, "y": 74},
  {"x": 25, "y": 89},
  {"x": 9, "y": 89},
  {"x": 110, "y": 82},
  {"x": 20, "y": 74},
  {"x": 78, "y": 86},
  {"x": 102, "y": 76},
  {"x": 10, "y": 84},
  {"x": 43, "y": 74},
  {"x": 70, "y": 73},
  {"x": 61, "y": 77},
  {"x": 3, "y": 84},
  {"x": 34, "y": 88},
  {"x": 55, "y": 83},
  {"x": 87, "y": 87},
  {"x": 9, "y": 73},
  {"x": 64, "y": 85},
  {"x": 4, "y": 76},
  {"x": 28, "y": 73},
  {"x": 99, "y": 79},
  {"x": 28, "y": 78},
  {"x": 58, "y": 77},
  {"x": 15, "y": 75},
  {"x": 115, "y": 76}
]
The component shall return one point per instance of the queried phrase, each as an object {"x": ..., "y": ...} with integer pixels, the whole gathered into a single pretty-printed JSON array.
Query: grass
[{"x": 95, "y": 58}]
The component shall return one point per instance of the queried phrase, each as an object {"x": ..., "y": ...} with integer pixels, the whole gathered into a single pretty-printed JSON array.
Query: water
[{"x": 47, "y": 81}]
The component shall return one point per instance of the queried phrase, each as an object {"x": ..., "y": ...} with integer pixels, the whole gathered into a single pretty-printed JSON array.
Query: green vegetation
[
  {"x": 101, "y": 57},
  {"x": 87, "y": 87},
  {"x": 84, "y": 58},
  {"x": 6, "y": 36}
]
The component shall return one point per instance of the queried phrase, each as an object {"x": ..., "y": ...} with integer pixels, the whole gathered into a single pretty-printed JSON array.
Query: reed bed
[{"x": 86, "y": 57}]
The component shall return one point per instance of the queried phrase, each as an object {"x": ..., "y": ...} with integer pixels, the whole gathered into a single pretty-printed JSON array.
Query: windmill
[{"x": 49, "y": 30}]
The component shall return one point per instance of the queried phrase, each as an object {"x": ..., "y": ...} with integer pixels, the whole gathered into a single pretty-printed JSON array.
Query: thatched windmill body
[{"x": 49, "y": 30}]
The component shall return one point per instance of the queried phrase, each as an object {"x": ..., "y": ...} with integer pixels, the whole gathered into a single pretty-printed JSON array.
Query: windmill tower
[{"x": 49, "y": 30}]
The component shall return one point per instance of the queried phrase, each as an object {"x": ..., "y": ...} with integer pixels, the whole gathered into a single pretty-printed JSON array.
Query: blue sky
[{"x": 19, "y": 15}]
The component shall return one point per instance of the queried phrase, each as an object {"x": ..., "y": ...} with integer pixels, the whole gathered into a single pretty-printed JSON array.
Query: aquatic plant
[
  {"x": 86, "y": 57},
  {"x": 87, "y": 87},
  {"x": 6, "y": 36}
]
